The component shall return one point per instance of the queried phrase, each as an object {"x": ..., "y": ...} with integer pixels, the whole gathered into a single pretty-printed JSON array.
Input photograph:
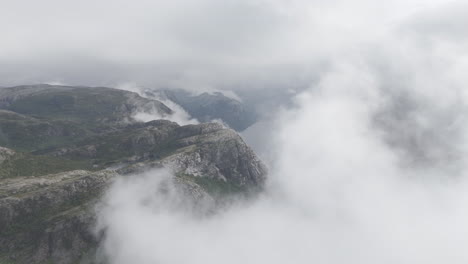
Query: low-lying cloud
[{"x": 178, "y": 115}]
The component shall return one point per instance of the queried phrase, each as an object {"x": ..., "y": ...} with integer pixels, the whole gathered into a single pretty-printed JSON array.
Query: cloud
[
  {"x": 179, "y": 115},
  {"x": 149, "y": 42},
  {"x": 205, "y": 43}
]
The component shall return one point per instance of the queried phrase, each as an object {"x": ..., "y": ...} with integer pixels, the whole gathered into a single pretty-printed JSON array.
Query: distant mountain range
[{"x": 207, "y": 107}]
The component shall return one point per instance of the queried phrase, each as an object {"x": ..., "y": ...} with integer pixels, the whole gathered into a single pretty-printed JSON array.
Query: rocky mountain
[{"x": 61, "y": 147}]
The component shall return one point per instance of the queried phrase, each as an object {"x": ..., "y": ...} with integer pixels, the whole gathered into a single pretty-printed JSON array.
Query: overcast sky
[{"x": 205, "y": 43}]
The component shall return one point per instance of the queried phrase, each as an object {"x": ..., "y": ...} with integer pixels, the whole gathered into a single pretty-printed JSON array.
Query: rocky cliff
[{"x": 62, "y": 146}]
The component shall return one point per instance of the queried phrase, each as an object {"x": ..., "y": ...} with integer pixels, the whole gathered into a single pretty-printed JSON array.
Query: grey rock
[
  {"x": 217, "y": 153},
  {"x": 5, "y": 154},
  {"x": 48, "y": 218}
]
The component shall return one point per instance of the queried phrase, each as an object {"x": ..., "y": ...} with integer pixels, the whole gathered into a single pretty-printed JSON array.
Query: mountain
[
  {"x": 61, "y": 147},
  {"x": 207, "y": 107}
]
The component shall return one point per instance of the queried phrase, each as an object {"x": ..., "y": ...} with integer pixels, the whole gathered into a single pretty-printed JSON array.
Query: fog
[{"x": 367, "y": 163}]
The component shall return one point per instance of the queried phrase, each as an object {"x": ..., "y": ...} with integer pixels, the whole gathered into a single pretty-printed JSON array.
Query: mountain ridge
[{"x": 49, "y": 185}]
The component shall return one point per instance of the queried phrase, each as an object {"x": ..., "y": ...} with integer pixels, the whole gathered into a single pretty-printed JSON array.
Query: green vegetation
[
  {"x": 79, "y": 104},
  {"x": 6, "y": 260},
  {"x": 25, "y": 164},
  {"x": 24, "y": 133},
  {"x": 35, "y": 222},
  {"x": 32, "y": 226},
  {"x": 52, "y": 127}
]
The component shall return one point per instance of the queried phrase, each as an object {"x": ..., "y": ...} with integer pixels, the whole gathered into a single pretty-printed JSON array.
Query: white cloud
[{"x": 179, "y": 115}]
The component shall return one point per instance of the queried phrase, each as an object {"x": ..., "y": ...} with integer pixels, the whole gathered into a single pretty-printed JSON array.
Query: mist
[
  {"x": 367, "y": 160},
  {"x": 178, "y": 115}
]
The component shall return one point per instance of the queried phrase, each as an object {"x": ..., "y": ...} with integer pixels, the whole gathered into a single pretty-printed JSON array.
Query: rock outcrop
[{"x": 5, "y": 154}]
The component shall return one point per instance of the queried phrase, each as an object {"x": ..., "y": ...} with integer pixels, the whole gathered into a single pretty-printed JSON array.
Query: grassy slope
[
  {"x": 85, "y": 105},
  {"x": 25, "y": 133},
  {"x": 26, "y": 164}
]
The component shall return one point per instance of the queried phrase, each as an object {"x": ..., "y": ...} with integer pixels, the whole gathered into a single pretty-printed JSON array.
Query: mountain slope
[
  {"x": 55, "y": 166},
  {"x": 93, "y": 107}
]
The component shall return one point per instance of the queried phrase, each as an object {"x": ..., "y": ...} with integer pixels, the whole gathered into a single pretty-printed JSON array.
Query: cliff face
[
  {"x": 209, "y": 151},
  {"x": 54, "y": 167},
  {"x": 48, "y": 218}
]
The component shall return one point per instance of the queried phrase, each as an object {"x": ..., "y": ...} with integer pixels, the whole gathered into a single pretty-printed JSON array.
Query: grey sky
[{"x": 201, "y": 42}]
